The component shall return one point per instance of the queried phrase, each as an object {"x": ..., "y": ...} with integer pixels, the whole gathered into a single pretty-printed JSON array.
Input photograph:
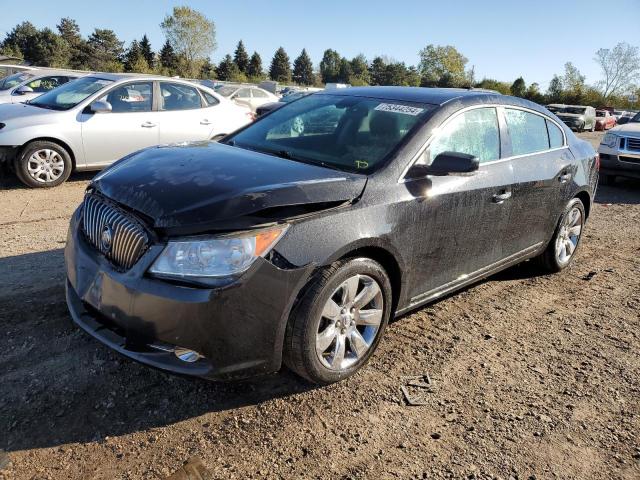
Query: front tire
[
  {"x": 338, "y": 322},
  {"x": 565, "y": 241},
  {"x": 43, "y": 164}
]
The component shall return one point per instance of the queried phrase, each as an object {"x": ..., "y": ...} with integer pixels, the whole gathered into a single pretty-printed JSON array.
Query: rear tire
[
  {"x": 565, "y": 241},
  {"x": 43, "y": 164},
  {"x": 336, "y": 327}
]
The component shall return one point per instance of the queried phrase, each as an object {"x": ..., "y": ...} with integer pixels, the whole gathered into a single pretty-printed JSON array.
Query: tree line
[{"x": 191, "y": 38}]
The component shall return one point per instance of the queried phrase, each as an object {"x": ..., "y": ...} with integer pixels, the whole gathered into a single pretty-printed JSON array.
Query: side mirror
[
  {"x": 101, "y": 106},
  {"x": 23, "y": 90},
  {"x": 446, "y": 163}
]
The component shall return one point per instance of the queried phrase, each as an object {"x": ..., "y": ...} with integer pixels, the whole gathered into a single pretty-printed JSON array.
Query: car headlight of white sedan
[{"x": 215, "y": 257}]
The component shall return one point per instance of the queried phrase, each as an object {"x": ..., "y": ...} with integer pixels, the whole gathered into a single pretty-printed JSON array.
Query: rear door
[
  {"x": 183, "y": 114},
  {"x": 131, "y": 125},
  {"x": 543, "y": 168}
]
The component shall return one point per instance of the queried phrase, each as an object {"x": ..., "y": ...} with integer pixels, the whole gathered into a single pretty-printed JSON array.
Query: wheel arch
[
  {"x": 585, "y": 198},
  {"x": 57, "y": 141}
]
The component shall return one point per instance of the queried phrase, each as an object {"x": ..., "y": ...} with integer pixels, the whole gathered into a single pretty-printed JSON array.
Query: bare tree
[{"x": 619, "y": 68}]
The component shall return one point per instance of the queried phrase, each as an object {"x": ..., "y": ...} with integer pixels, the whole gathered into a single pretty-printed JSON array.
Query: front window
[
  {"x": 342, "y": 132},
  {"x": 44, "y": 84},
  {"x": 474, "y": 132},
  {"x": 70, "y": 94},
  {"x": 14, "y": 80}
]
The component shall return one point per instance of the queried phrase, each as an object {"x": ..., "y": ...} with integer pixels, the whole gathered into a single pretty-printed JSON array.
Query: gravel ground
[{"x": 533, "y": 376}]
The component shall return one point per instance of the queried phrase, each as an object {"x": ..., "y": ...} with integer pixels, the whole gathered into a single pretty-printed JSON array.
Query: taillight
[{"x": 597, "y": 162}]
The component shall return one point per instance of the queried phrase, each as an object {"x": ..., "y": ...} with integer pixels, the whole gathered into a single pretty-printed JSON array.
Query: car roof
[{"x": 434, "y": 96}]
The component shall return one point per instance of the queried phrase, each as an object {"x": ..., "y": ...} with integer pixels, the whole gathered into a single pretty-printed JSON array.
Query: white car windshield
[
  {"x": 13, "y": 80},
  {"x": 70, "y": 94}
]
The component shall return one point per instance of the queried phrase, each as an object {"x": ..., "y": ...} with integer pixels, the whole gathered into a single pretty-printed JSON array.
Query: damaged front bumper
[{"x": 237, "y": 328}]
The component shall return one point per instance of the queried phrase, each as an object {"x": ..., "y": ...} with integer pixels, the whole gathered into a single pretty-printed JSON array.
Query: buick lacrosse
[{"x": 295, "y": 239}]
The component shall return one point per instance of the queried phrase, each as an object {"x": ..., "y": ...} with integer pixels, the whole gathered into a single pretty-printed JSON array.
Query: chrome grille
[
  {"x": 633, "y": 143},
  {"x": 113, "y": 232}
]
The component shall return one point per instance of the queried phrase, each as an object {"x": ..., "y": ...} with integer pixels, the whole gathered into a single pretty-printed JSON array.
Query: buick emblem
[{"x": 106, "y": 238}]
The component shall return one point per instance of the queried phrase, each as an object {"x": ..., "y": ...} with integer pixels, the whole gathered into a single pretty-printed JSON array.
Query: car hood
[
  {"x": 23, "y": 113},
  {"x": 632, "y": 128},
  {"x": 198, "y": 187}
]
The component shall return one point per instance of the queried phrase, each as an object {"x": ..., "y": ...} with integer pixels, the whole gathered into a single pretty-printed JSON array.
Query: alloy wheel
[
  {"x": 349, "y": 322},
  {"x": 569, "y": 235},
  {"x": 45, "y": 166}
]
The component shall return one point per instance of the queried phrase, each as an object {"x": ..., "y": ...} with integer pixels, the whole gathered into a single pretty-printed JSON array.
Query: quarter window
[
  {"x": 474, "y": 132},
  {"x": 210, "y": 99},
  {"x": 176, "y": 96},
  {"x": 556, "y": 139},
  {"x": 528, "y": 132},
  {"x": 132, "y": 97}
]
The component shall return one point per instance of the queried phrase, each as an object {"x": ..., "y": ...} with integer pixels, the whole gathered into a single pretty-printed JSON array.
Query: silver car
[
  {"x": 89, "y": 123},
  {"x": 252, "y": 97},
  {"x": 29, "y": 84}
]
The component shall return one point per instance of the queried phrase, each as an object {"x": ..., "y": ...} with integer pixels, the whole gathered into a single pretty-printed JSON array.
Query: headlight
[
  {"x": 215, "y": 257},
  {"x": 610, "y": 140}
]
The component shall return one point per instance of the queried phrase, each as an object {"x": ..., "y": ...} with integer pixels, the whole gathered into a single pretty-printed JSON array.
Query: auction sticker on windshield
[{"x": 395, "y": 108}]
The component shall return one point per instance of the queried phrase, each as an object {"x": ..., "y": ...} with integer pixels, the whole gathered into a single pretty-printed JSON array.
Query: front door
[
  {"x": 130, "y": 126},
  {"x": 460, "y": 221}
]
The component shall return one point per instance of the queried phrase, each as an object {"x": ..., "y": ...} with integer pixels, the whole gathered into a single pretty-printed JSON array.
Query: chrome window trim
[{"x": 497, "y": 106}]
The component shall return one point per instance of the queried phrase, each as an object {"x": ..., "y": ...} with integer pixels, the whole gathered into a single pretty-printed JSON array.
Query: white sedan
[
  {"x": 29, "y": 84},
  {"x": 251, "y": 96}
]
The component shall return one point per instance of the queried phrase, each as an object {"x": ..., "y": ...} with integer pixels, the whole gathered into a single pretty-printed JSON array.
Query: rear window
[{"x": 528, "y": 132}]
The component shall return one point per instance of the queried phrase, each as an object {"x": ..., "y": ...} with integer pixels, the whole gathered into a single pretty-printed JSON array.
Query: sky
[{"x": 502, "y": 39}]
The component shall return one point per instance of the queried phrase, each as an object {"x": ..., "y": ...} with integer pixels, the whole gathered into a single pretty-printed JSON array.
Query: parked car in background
[
  {"x": 604, "y": 120},
  {"x": 92, "y": 122},
  {"x": 620, "y": 152},
  {"x": 247, "y": 95},
  {"x": 224, "y": 260},
  {"x": 269, "y": 107},
  {"x": 29, "y": 84},
  {"x": 7, "y": 69},
  {"x": 626, "y": 117},
  {"x": 576, "y": 117}
]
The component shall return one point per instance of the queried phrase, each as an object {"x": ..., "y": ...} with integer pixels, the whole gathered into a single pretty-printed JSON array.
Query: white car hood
[{"x": 22, "y": 114}]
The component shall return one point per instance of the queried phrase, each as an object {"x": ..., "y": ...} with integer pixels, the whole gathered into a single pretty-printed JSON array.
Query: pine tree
[
  {"x": 518, "y": 88},
  {"x": 134, "y": 53},
  {"x": 254, "y": 70},
  {"x": 147, "y": 52},
  {"x": 303, "y": 69},
  {"x": 227, "y": 69},
  {"x": 280, "y": 70},
  {"x": 241, "y": 57},
  {"x": 168, "y": 58},
  {"x": 330, "y": 66}
]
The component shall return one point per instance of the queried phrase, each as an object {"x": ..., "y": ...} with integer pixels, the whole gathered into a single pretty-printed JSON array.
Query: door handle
[
  {"x": 501, "y": 197},
  {"x": 205, "y": 122},
  {"x": 564, "y": 177},
  {"x": 148, "y": 125}
]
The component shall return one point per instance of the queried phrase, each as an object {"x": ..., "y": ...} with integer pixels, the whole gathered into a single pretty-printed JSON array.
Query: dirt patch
[{"x": 530, "y": 377}]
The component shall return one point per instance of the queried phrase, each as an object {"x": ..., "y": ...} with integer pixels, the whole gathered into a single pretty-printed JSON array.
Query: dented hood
[{"x": 211, "y": 186}]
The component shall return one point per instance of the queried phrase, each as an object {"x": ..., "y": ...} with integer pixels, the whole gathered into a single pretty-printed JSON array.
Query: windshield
[
  {"x": 355, "y": 134},
  {"x": 293, "y": 96},
  {"x": 226, "y": 91},
  {"x": 600, "y": 113},
  {"x": 70, "y": 94},
  {"x": 13, "y": 80}
]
